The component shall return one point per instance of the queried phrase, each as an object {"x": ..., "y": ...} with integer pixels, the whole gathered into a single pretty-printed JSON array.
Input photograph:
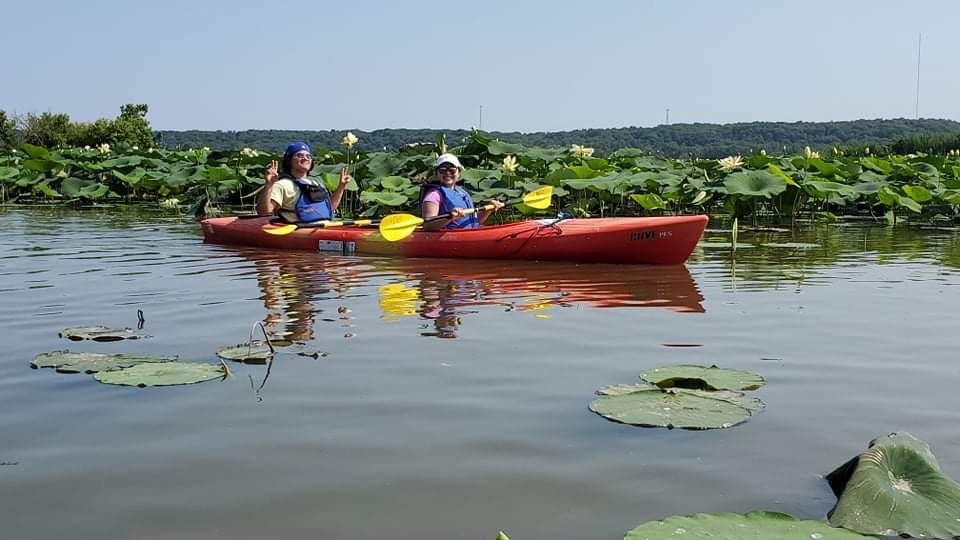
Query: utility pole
[
  {"x": 917, "y": 107},
  {"x": 481, "y": 118},
  {"x": 668, "y": 116}
]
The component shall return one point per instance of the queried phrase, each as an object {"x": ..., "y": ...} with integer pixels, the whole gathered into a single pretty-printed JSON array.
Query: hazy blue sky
[{"x": 532, "y": 65}]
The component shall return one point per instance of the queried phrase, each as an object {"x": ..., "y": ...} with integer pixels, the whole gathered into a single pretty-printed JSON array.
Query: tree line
[
  {"x": 130, "y": 127},
  {"x": 676, "y": 140}
]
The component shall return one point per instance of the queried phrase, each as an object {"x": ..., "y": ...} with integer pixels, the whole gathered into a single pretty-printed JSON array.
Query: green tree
[
  {"x": 132, "y": 127},
  {"x": 8, "y": 130},
  {"x": 48, "y": 130}
]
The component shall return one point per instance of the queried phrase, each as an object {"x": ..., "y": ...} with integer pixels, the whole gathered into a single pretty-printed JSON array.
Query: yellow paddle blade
[
  {"x": 397, "y": 226},
  {"x": 539, "y": 198},
  {"x": 279, "y": 230}
]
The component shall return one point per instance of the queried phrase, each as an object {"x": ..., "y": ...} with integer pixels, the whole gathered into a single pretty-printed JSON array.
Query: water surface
[{"x": 448, "y": 399}]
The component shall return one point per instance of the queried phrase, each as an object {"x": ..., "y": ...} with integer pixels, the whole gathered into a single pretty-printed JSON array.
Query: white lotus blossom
[
  {"x": 135, "y": 147},
  {"x": 763, "y": 152},
  {"x": 104, "y": 148},
  {"x": 730, "y": 163},
  {"x": 349, "y": 140},
  {"x": 169, "y": 203},
  {"x": 86, "y": 147},
  {"x": 14, "y": 150},
  {"x": 509, "y": 164},
  {"x": 866, "y": 150},
  {"x": 810, "y": 154},
  {"x": 581, "y": 151},
  {"x": 249, "y": 152},
  {"x": 206, "y": 149}
]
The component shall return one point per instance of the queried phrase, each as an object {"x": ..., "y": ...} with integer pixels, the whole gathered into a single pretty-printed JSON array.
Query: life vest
[
  {"x": 313, "y": 204},
  {"x": 451, "y": 198}
]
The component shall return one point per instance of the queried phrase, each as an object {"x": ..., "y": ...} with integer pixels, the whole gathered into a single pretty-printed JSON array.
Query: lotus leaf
[
  {"x": 98, "y": 333},
  {"x": 253, "y": 352},
  {"x": 499, "y": 148},
  {"x": 755, "y": 184},
  {"x": 86, "y": 362},
  {"x": 649, "y": 201},
  {"x": 620, "y": 389},
  {"x": 702, "y": 378},
  {"x": 752, "y": 526},
  {"x": 165, "y": 374},
  {"x": 896, "y": 487},
  {"x": 670, "y": 408}
]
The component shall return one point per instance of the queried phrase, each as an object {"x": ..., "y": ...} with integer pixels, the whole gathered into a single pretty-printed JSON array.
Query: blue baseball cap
[{"x": 292, "y": 149}]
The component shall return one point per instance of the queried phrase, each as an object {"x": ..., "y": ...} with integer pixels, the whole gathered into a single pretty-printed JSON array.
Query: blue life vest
[
  {"x": 313, "y": 204},
  {"x": 451, "y": 198}
]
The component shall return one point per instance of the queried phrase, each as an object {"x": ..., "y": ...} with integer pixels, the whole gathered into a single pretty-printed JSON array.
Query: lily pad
[
  {"x": 87, "y": 362},
  {"x": 166, "y": 374},
  {"x": 253, "y": 352},
  {"x": 702, "y": 378},
  {"x": 98, "y": 333},
  {"x": 621, "y": 389},
  {"x": 752, "y": 526},
  {"x": 896, "y": 487},
  {"x": 673, "y": 408}
]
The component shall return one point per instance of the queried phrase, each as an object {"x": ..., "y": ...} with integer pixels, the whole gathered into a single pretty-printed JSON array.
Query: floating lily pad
[
  {"x": 791, "y": 245},
  {"x": 752, "y": 404},
  {"x": 166, "y": 374},
  {"x": 702, "y": 378},
  {"x": 673, "y": 408},
  {"x": 896, "y": 487},
  {"x": 752, "y": 526},
  {"x": 620, "y": 389},
  {"x": 98, "y": 333},
  {"x": 86, "y": 362},
  {"x": 253, "y": 352}
]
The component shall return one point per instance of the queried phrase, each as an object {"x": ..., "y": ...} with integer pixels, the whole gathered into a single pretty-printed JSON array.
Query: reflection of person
[
  {"x": 444, "y": 196},
  {"x": 295, "y": 197},
  {"x": 439, "y": 300}
]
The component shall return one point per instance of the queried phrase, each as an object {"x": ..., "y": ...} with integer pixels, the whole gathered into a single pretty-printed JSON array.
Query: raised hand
[{"x": 271, "y": 172}]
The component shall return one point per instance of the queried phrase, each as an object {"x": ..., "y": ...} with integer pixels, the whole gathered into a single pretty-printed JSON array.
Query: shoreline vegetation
[{"x": 915, "y": 176}]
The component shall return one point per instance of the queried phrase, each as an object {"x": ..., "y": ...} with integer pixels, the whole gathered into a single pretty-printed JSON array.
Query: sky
[{"x": 498, "y": 65}]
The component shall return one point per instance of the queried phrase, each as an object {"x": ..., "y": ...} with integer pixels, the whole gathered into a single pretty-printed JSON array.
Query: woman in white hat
[{"x": 444, "y": 196}]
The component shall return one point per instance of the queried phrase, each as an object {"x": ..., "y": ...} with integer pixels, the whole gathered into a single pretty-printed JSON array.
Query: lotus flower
[
  {"x": 104, "y": 148},
  {"x": 349, "y": 140},
  {"x": 581, "y": 151},
  {"x": 249, "y": 152},
  {"x": 730, "y": 163},
  {"x": 509, "y": 164},
  {"x": 169, "y": 203},
  {"x": 810, "y": 154},
  {"x": 763, "y": 152}
]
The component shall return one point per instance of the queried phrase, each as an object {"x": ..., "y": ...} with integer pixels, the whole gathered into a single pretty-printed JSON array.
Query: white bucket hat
[{"x": 448, "y": 158}]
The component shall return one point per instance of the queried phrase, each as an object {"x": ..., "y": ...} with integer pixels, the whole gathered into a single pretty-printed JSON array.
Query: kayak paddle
[
  {"x": 282, "y": 230},
  {"x": 397, "y": 226}
]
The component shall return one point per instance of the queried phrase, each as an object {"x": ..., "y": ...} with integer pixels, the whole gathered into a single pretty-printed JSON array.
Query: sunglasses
[
  {"x": 303, "y": 155},
  {"x": 446, "y": 168}
]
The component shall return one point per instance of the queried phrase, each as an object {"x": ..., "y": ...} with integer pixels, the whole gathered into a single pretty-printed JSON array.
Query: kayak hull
[{"x": 642, "y": 240}]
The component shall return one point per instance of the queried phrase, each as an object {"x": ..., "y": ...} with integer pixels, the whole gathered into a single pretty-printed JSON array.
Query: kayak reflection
[{"x": 442, "y": 290}]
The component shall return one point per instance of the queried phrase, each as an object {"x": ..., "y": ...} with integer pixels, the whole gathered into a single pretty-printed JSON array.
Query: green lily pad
[
  {"x": 621, "y": 389},
  {"x": 166, "y": 374},
  {"x": 702, "y": 378},
  {"x": 253, "y": 352},
  {"x": 673, "y": 408},
  {"x": 750, "y": 403},
  {"x": 752, "y": 526},
  {"x": 98, "y": 333},
  {"x": 896, "y": 487},
  {"x": 86, "y": 362}
]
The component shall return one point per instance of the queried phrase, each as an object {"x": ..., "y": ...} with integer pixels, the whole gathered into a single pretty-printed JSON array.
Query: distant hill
[{"x": 675, "y": 140}]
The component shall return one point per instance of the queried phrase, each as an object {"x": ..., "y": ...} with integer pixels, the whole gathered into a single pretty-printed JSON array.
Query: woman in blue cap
[
  {"x": 295, "y": 197},
  {"x": 444, "y": 196}
]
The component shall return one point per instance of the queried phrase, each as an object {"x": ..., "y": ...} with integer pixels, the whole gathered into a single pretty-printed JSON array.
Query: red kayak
[{"x": 641, "y": 240}]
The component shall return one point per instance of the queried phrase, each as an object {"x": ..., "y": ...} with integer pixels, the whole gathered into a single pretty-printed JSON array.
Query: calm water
[{"x": 439, "y": 399}]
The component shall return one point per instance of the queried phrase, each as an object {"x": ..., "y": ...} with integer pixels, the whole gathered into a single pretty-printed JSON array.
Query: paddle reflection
[{"x": 442, "y": 290}]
